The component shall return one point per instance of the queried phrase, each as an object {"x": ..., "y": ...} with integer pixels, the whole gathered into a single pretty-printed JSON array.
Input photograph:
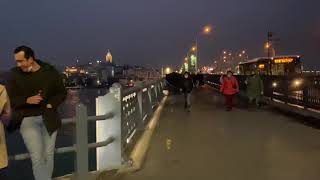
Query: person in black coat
[
  {"x": 36, "y": 90},
  {"x": 187, "y": 86}
]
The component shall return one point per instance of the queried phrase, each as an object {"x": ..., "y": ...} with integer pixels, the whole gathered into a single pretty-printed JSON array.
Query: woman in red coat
[{"x": 229, "y": 88}]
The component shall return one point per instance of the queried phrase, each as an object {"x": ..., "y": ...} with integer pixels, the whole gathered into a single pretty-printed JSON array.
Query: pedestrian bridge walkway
[{"x": 210, "y": 143}]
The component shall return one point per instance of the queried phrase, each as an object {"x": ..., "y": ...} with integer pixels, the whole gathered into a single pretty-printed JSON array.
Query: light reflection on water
[{"x": 63, "y": 163}]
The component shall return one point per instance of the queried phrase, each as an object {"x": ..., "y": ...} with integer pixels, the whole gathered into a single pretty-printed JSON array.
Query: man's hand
[{"x": 34, "y": 99}]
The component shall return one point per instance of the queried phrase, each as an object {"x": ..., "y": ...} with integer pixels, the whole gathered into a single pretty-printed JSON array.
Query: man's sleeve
[
  {"x": 60, "y": 91},
  {"x": 15, "y": 93}
]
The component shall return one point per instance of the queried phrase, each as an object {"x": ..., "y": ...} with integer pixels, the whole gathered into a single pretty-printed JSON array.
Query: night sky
[{"x": 156, "y": 32}]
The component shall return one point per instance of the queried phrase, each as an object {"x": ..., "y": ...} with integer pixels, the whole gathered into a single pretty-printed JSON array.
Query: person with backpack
[{"x": 229, "y": 88}]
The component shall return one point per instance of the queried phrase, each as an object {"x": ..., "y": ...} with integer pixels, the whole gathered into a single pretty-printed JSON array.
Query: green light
[{"x": 193, "y": 60}]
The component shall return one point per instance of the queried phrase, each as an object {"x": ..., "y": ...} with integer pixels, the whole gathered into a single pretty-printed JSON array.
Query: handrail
[
  {"x": 303, "y": 91},
  {"x": 124, "y": 113},
  {"x": 63, "y": 150},
  {"x": 90, "y": 119}
]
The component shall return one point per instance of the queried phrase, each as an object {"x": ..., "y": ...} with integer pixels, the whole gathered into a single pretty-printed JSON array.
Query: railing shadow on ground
[{"x": 120, "y": 114}]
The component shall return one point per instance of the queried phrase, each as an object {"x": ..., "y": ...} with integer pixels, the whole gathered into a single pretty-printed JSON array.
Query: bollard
[{"x": 81, "y": 146}]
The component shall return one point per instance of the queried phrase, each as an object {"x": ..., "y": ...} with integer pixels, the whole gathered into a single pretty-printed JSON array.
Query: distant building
[
  {"x": 141, "y": 73},
  {"x": 109, "y": 57}
]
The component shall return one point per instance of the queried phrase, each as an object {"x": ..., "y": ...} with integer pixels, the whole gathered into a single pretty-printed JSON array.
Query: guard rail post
[
  {"x": 109, "y": 157},
  {"x": 81, "y": 146}
]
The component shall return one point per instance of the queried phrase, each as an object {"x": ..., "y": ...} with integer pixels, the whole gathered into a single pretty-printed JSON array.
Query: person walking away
[
  {"x": 187, "y": 89},
  {"x": 4, "y": 113},
  {"x": 229, "y": 88},
  {"x": 36, "y": 90},
  {"x": 254, "y": 89}
]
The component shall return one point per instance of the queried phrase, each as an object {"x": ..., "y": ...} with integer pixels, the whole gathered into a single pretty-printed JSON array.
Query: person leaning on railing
[{"x": 4, "y": 114}]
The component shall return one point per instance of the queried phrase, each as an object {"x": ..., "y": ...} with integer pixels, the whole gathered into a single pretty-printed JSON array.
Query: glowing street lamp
[
  {"x": 207, "y": 29},
  {"x": 194, "y": 48}
]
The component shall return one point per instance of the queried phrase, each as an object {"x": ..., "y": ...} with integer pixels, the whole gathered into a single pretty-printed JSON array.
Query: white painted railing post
[
  {"x": 110, "y": 157},
  {"x": 81, "y": 146}
]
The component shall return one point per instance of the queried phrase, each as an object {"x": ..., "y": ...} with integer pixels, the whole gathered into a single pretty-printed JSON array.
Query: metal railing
[
  {"x": 120, "y": 114},
  {"x": 303, "y": 91}
]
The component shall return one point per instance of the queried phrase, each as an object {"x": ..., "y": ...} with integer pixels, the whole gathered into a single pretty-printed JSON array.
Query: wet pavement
[{"x": 210, "y": 143}]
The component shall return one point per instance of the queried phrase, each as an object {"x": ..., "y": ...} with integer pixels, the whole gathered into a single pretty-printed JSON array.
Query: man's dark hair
[{"x": 28, "y": 52}]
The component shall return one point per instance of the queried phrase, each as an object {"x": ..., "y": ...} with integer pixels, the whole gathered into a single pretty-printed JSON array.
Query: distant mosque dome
[{"x": 109, "y": 56}]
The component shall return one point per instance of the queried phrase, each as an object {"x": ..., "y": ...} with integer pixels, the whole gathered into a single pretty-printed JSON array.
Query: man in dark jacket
[
  {"x": 187, "y": 86},
  {"x": 36, "y": 90}
]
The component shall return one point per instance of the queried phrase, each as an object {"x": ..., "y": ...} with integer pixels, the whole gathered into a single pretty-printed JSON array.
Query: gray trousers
[
  {"x": 257, "y": 100},
  {"x": 187, "y": 98}
]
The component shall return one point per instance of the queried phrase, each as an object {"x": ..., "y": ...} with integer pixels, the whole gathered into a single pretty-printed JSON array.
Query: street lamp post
[
  {"x": 206, "y": 30},
  {"x": 195, "y": 48}
]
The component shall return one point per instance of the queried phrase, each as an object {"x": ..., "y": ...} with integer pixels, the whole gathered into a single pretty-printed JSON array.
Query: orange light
[
  {"x": 207, "y": 29},
  {"x": 267, "y": 45},
  {"x": 194, "y": 48},
  {"x": 283, "y": 60},
  {"x": 261, "y": 66}
]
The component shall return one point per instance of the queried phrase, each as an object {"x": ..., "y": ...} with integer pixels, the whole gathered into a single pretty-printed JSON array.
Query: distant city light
[
  {"x": 267, "y": 45},
  {"x": 297, "y": 82},
  {"x": 168, "y": 70},
  {"x": 274, "y": 84},
  {"x": 207, "y": 29}
]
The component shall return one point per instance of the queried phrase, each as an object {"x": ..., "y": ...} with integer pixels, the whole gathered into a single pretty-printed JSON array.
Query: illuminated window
[{"x": 283, "y": 60}]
